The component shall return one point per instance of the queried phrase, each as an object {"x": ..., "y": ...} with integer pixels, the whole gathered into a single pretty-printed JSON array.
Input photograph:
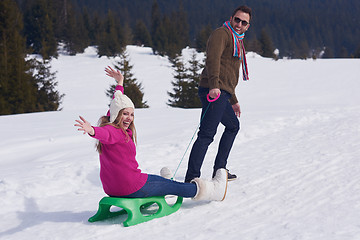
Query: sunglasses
[{"x": 243, "y": 22}]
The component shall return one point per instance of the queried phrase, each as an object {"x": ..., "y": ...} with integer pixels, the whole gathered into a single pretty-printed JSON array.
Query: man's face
[{"x": 240, "y": 22}]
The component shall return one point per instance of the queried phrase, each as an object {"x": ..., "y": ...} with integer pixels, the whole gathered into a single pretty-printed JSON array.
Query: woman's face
[{"x": 127, "y": 117}]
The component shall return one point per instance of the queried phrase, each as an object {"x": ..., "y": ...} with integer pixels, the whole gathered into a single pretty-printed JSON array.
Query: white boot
[
  {"x": 165, "y": 172},
  {"x": 214, "y": 190}
]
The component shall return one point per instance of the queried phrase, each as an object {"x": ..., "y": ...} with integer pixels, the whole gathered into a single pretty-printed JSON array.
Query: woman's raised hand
[
  {"x": 119, "y": 78},
  {"x": 84, "y": 126}
]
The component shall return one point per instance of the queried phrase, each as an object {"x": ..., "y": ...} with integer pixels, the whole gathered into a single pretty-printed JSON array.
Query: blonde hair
[{"x": 105, "y": 120}]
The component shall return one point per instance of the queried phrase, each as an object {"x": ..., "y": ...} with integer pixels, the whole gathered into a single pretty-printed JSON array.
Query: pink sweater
[{"x": 119, "y": 172}]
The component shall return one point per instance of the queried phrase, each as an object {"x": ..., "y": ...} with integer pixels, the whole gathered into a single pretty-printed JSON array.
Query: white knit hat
[{"x": 119, "y": 102}]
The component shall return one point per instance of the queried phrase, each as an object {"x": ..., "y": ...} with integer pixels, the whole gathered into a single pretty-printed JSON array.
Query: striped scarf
[{"x": 239, "y": 49}]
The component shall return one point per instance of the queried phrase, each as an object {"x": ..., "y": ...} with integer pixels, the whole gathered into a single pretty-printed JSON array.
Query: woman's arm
[
  {"x": 106, "y": 134},
  {"x": 119, "y": 78}
]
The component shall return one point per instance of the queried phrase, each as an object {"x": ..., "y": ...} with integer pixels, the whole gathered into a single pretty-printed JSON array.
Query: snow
[{"x": 296, "y": 156}]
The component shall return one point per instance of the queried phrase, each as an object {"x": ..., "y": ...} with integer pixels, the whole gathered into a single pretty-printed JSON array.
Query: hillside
[{"x": 296, "y": 155}]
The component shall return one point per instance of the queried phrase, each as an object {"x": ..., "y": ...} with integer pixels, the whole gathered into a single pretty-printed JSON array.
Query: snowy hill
[{"x": 296, "y": 156}]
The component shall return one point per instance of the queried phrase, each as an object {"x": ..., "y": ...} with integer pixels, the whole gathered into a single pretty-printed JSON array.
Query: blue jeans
[
  {"x": 159, "y": 186},
  {"x": 219, "y": 111}
]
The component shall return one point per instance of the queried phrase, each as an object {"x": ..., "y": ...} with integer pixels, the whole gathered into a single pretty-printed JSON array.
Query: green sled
[{"x": 132, "y": 207}]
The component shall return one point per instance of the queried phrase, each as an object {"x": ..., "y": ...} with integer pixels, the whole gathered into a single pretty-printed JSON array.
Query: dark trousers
[
  {"x": 159, "y": 186},
  {"x": 219, "y": 111}
]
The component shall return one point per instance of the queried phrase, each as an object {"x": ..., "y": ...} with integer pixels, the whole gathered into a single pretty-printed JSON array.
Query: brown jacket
[{"x": 221, "y": 68}]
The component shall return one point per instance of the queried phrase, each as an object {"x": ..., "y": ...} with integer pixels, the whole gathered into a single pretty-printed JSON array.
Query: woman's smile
[{"x": 127, "y": 117}]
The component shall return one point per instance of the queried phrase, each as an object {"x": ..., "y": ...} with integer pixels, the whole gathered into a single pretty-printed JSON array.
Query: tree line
[
  {"x": 26, "y": 85},
  {"x": 297, "y": 29}
]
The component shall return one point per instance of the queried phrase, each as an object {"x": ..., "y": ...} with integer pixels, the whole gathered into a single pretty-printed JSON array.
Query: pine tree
[
  {"x": 202, "y": 38},
  {"x": 329, "y": 53},
  {"x": 25, "y": 85},
  {"x": 253, "y": 45},
  {"x": 177, "y": 32},
  {"x": 292, "y": 51},
  {"x": 16, "y": 88},
  {"x": 160, "y": 38},
  {"x": 111, "y": 39},
  {"x": 132, "y": 88},
  {"x": 48, "y": 98},
  {"x": 156, "y": 26},
  {"x": 179, "y": 84},
  {"x": 194, "y": 80},
  {"x": 89, "y": 27},
  {"x": 304, "y": 50},
  {"x": 267, "y": 46},
  {"x": 126, "y": 35},
  {"x": 39, "y": 29},
  {"x": 76, "y": 35},
  {"x": 185, "y": 85},
  {"x": 357, "y": 52},
  {"x": 141, "y": 34},
  {"x": 96, "y": 29},
  {"x": 170, "y": 33},
  {"x": 344, "y": 53}
]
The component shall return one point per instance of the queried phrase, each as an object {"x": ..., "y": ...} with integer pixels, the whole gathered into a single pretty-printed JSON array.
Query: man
[{"x": 224, "y": 54}]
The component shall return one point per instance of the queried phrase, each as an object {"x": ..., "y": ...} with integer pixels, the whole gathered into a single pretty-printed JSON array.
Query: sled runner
[{"x": 133, "y": 207}]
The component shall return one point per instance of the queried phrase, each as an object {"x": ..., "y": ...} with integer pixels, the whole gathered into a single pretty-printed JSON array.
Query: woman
[{"x": 119, "y": 172}]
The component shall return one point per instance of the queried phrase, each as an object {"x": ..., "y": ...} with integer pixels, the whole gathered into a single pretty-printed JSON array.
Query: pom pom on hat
[{"x": 119, "y": 102}]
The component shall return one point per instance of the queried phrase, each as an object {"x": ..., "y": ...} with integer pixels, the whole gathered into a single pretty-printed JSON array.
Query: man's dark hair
[{"x": 244, "y": 9}]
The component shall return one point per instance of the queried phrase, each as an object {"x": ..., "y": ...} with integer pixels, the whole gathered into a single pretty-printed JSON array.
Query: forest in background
[
  {"x": 297, "y": 28},
  {"x": 279, "y": 28}
]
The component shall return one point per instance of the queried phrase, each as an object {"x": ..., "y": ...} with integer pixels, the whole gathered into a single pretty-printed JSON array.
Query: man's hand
[
  {"x": 214, "y": 92},
  {"x": 236, "y": 108}
]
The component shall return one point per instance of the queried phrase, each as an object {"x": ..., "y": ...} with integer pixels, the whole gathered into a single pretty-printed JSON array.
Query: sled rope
[{"x": 202, "y": 117}]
